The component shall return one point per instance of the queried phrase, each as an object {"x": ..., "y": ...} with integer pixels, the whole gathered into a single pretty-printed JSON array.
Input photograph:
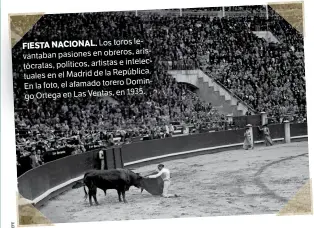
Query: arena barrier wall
[
  {"x": 277, "y": 132},
  {"x": 298, "y": 129},
  {"x": 44, "y": 182},
  {"x": 38, "y": 181},
  {"x": 141, "y": 150}
]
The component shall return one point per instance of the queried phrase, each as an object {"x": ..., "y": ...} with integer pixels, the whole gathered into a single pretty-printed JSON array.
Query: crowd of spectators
[{"x": 269, "y": 77}]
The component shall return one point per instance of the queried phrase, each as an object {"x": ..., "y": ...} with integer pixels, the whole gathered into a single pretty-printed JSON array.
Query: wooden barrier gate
[{"x": 113, "y": 158}]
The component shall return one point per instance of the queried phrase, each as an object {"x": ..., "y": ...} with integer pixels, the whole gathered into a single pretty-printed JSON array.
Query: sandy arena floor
[{"x": 236, "y": 182}]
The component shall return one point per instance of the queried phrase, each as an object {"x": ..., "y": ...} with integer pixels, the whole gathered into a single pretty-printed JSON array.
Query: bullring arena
[{"x": 235, "y": 182}]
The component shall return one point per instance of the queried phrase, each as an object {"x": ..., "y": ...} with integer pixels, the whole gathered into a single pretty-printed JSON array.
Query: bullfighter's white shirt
[{"x": 164, "y": 174}]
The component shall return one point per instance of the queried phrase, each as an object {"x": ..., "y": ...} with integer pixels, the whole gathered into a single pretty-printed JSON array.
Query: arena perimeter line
[
  {"x": 64, "y": 185},
  {"x": 260, "y": 183}
]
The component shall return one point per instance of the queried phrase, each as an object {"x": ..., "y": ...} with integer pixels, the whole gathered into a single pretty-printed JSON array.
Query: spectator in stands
[
  {"x": 171, "y": 130},
  {"x": 35, "y": 159}
]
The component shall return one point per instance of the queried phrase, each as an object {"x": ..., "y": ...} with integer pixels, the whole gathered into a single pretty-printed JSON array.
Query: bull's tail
[
  {"x": 84, "y": 181},
  {"x": 85, "y": 193},
  {"x": 90, "y": 185}
]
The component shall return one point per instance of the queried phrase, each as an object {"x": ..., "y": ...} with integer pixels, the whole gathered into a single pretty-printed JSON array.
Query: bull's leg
[
  {"x": 90, "y": 197},
  {"x": 95, "y": 199},
  {"x": 94, "y": 193},
  {"x": 119, "y": 194},
  {"x": 123, "y": 195}
]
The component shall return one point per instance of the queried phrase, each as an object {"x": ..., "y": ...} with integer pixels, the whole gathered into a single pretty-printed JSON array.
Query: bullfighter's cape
[{"x": 152, "y": 185}]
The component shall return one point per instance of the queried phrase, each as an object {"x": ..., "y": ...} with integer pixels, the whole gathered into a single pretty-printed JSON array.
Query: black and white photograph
[{"x": 160, "y": 113}]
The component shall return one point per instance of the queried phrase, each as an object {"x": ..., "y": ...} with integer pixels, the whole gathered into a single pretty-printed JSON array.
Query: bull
[{"x": 118, "y": 179}]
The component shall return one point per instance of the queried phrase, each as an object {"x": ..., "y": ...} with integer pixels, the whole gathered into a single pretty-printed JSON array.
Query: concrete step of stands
[{"x": 210, "y": 92}]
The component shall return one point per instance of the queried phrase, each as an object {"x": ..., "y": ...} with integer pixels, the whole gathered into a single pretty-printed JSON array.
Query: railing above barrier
[{"x": 242, "y": 121}]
